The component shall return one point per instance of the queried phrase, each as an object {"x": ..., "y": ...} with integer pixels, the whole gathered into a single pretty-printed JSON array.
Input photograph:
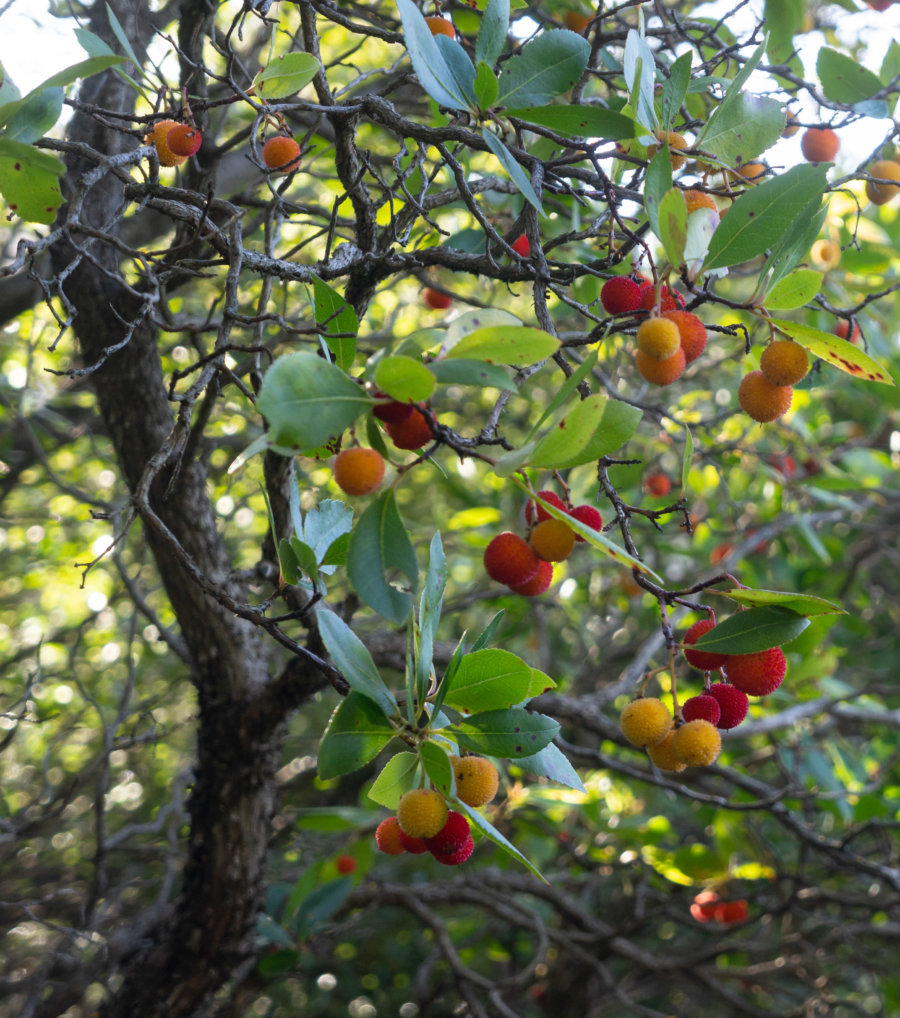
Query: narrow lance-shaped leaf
[
  {"x": 354, "y": 661},
  {"x": 459, "y": 65},
  {"x": 338, "y": 321},
  {"x": 578, "y": 121},
  {"x": 675, "y": 89},
  {"x": 489, "y": 831},
  {"x": 512, "y": 167},
  {"x": 803, "y": 604},
  {"x": 491, "y": 39},
  {"x": 428, "y": 63},
  {"x": 843, "y": 355},
  {"x": 356, "y": 734}
]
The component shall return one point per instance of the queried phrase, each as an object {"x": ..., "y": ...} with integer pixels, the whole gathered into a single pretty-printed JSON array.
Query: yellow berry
[
  {"x": 477, "y": 779},
  {"x": 881, "y": 194},
  {"x": 421, "y": 813},
  {"x": 658, "y": 338},
  {"x": 552, "y": 540},
  {"x": 676, "y": 143},
  {"x": 696, "y": 743},
  {"x": 662, "y": 755},
  {"x": 646, "y": 722},
  {"x": 784, "y": 362}
]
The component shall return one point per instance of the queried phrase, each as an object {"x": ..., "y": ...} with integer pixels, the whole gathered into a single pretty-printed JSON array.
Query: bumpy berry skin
[
  {"x": 661, "y": 754},
  {"x": 748, "y": 173},
  {"x": 620, "y": 295},
  {"x": 412, "y": 432},
  {"x": 842, "y": 331},
  {"x": 345, "y": 864},
  {"x": 421, "y": 812},
  {"x": 697, "y": 743},
  {"x": 676, "y": 142},
  {"x": 733, "y": 704},
  {"x": 761, "y": 400},
  {"x": 281, "y": 153},
  {"x": 436, "y": 300},
  {"x": 522, "y": 246},
  {"x": 757, "y": 674},
  {"x": 440, "y": 26},
  {"x": 538, "y": 583},
  {"x": 552, "y": 540},
  {"x": 669, "y": 300},
  {"x": 784, "y": 362},
  {"x": 477, "y": 780},
  {"x": 415, "y": 846},
  {"x": 387, "y": 837},
  {"x": 819, "y": 144},
  {"x": 510, "y": 560},
  {"x": 359, "y": 471},
  {"x": 458, "y": 857},
  {"x": 705, "y": 707},
  {"x": 158, "y": 137},
  {"x": 660, "y": 372},
  {"x": 184, "y": 140},
  {"x": 535, "y": 512},
  {"x": 702, "y": 660},
  {"x": 657, "y": 484},
  {"x": 692, "y": 332},
  {"x": 392, "y": 412},
  {"x": 645, "y": 722},
  {"x": 658, "y": 338},
  {"x": 695, "y": 199},
  {"x": 881, "y": 194},
  {"x": 589, "y": 516},
  {"x": 451, "y": 837}
]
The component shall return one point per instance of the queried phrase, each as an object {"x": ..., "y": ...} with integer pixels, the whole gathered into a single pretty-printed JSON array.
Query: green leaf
[
  {"x": 83, "y": 69},
  {"x": 35, "y": 115},
  {"x": 404, "y": 378},
  {"x": 844, "y": 78},
  {"x": 577, "y": 121},
  {"x": 29, "y": 181},
  {"x": 305, "y": 558},
  {"x": 288, "y": 563},
  {"x": 754, "y": 630},
  {"x": 353, "y": 660},
  {"x": 751, "y": 124},
  {"x": 619, "y": 422},
  {"x": 784, "y": 20},
  {"x": 380, "y": 542},
  {"x": 285, "y": 75},
  {"x": 488, "y": 680},
  {"x": 843, "y": 355},
  {"x": 338, "y": 322},
  {"x": 8, "y": 92},
  {"x": 492, "y": 834},
  {"x": 324, "y": 524},
  {"x": 438, "y": 768},
  {"x": 505, "y": 733},
  {"x": 803, "y": 604},
  {"x": 657, "y": 184},
  {"x": 316, "y": 910},
  {"x": 396, "y": 777},
  {"x": 308, "y": 401},
  {"x": 725, "y": 111},
  {"x": 428, "y": 63},
  {"x": 890, "y": 68},
  {"x": 462, "y": 371},
  {"x": 540, "y": 681},
  {"x": 430, "y": 605},
  {"x": 120, "y": 34},
  {"x": 548, "y": 65},
  {"x": 487, "y": 86},
  {"x": 673, "y": 226},
  {"x": 471, "y": 321},
  {"x": 795, "y": 290},
  {"x": 516, "y": 345},
  {"x": 701, "y": 225},
  {"x": 459, "y": 65},
  {"x": 675, "y": 89},
  {"x": 757, "y": 219},
  {"x": 688, "y": 458},
  {"x": 790, "y": 249},
  {"x": 487, "y": 634},
  {"x": 571, "y": 435},
  {"x": 552, "y": 763},
  {"x": 491, "y": 39},
  {"x": 512, "y": 167},
  {"x": 640, "y": 78},
  {"x": 356, "y": 734}
]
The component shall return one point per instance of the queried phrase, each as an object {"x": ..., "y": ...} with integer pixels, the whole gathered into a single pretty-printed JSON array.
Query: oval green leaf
[
  {"x": 547, "y": 66},
  {"x": 796, "y": 289},
  {"x": 571, "y": 435},
  {"x": 488, "y": 680},
  {"x": 396, "y": 777},
  {"x": 517, "y": 345},
  {"x": 356, "y": 734},
  {"x": 842, "y": 354},
  {"x": 404, "y": 378},
  {"x": 506, "y": 733},
  {"x": 285, "y": 75},
  {"x": 578, "y": 121},
  {"x": 756, "y": 629}
]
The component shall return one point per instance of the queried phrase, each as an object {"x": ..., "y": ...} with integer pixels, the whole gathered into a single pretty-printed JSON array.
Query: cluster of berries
[
  {"x": 425, "y": 823},
  {"x": 766, "y": 394},
  {"x": 175, "y": 143},
  {"x": 526, "y": 565},
  {"x": 708, "y": 907},
  {"x": 405, "y": 423}
]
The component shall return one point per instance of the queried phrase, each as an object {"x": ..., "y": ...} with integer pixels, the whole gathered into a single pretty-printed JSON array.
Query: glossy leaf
[
  {"x": 578, "y": 121},
  {"x": 438, "y": 768},
  {"x": 487, "y": 86},
  {"x": 462, "y": 371},
  {"x": 517, "y": 345},
  {"x": 396, "y": 777},
  {"x": 404, "y": 378},
  {"x": 795, "y": 290},
  {"x": 843, "y": 355},
  {"x": 571, "y": 435},
  {"x": 803, "y": 604},
  {"x": 675, "y": 89},
  {"x": 324, "y": 524},
  {"x": 752, "y": 124},
  {"x": 784, "y": 20},
  {"x": 756, "y": 629},
  {"x": 482, "y": 824},
  {"x": 657, "y": 184},
  {"x": 491, "y": 39},
  {"x": 639, "y": 69},
  {"x": 509, "y": 163},
  {"x": 428, "y": 63},
  {"x": 354, "y": 661},
  {"x": 460, "y": 67},
  {"x": 617, "y": 424},
  {"x": 29, "y": 181},
  {"x": 35, "y": 115},
  {"x": 380, "y": 542},
  {"x": 672, "y": 226},
  {"x": 844, "y": 78},
  {"x": 506, "y": 733},
  {"x": 488, "y": 680},
  {"x": 338, "y": 322},
  {"x": 548, "y": 65},
  {"x": 285, "y": 75},
  {"x": 356, "y": 734},
  {"x": 552, "y": 763}
]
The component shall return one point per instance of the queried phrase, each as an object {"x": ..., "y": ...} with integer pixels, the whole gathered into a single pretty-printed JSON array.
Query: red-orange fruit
[
  {"x": 784, "y": 362},
  {"x": 757, "y": 674},
  {"x": 158, "y": 137},
  {"x": 676, "y": 142},
  {"x": 451, "y": 837},
  {"x": 538, "y": 583},
  {"x": 522, "y": 246},
  {"x": 748, "y": 173},
  {"x": 535, "y": 512},
  {"x": 387, "y": 837},
  {"x": 620, "y": 295},
  {"x": 415, "y": 846},
  {"x": 345, "y": 864},
  {"x": 842, "y": 331},
  {"x": 704, "y": 905},
  {"x": 657, "y": 484},
  {"x": 792, "y": 125},
  {"x": 729, "y": 912},
  {"x": 510, "y": 560},
  {"x": 577, "y": 22},
  {"x": 281, "y": 154},
  {"x": 692, "y": 332},
  {"x": 658, "y": 337},
  {"x": 887, "y": 170},
  {"x": 733, "y": 704},
  {"x": 552, "y": 540},
  {"x": 819, "y": 144},
  {"x": 358, "y": 471},
  {"x": 703, "y": 660},
  {"x": 589, "y": 516},
  {"x": 669, "y": 300},
  {"x": 184, "y": 140},
  {"x": 660, "y": 372},
  {"x": 440, "y": 26},
  {"x": 392, "y": 412},
  {"x": 695, "y": 199},
  {"x": 412, "y": 432},
  {"x": 436, "y": 300},
  {"x": 763, "y": 401}
]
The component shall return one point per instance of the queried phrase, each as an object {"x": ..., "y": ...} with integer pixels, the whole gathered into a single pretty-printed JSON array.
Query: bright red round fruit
[
  {"x": 451, "y": 837},
  {"x": 705, "y": 708},
  {"x": 536, "y": 513},
  {"x": 521, "y": 246},
  {"x": 733, "y": 704},
  {"x": 669, "y": 300},
  {"x": 658, "y": 484},
  {"x": 415, "y": 846},
  {"x": 538, "y": 583},
  {"x": 392, "y": 412},
  {"x": 589, "y": 516},
  {"x": 412, "y": 432},
  {"x": 620, "y": 296},
  {"x": 457, "y": 857},
  {"x": 436, "y": 300},
  {"x": 510, "y": 560},
  {"x": 184, "y": 140},
  {"x": 345, "y": 864},
  {"x": 757, "y": 674},
  {"x": 704, "y": 660}
]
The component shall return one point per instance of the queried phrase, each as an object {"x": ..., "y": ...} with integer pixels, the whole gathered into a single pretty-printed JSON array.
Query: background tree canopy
[{"x": 221, "y": 671}]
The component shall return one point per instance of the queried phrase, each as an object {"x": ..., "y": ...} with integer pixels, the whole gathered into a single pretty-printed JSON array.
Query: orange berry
[
  {"x": 660, "y": 372},
  {"x": 477, "y": 779},
  {"x": 646, "y": 722},
  {"x": 695, "y": 199},
  {"x": 842, "y": 331},
  {"x": 792, "y": 125},
  {"x": 577, "y": 22},
  {"x": 184, "y": 140},
  {"x": 696, "y": 743},
  {"x": 281, "y": 154},
  {"x": 819, "y": 144},
  {"x": 761, "y": 400},
  {"x": 436, "y": 300},
  {"x": 748, "y": 173},
  {"x": 677, "y": 143},
  {"x": 387, "y": 837},
  {"x": 158, "y": 137},
  {"x": 510, "y": 560},
  {"x": 661, "y": 754},
  {"x": 692, "y": 332},
  {"x": 441, "y": 26},
  {"x": 358, "y": 471},
  {"x": 657, "y": 484},
  {"x": 412, "y": 432},
  {"x": 658, "y": 338},
  {"x": 784, "y": 362},
  {"x": 552, "y": 540},
  {"x": 881, "y": 194},
  {"x": 421, "y": 812}
]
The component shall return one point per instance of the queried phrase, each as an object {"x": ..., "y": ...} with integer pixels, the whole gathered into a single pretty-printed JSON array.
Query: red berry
[
  {"x": 669, "y": 300},
  {"x": 436, "y": 300},
  {"x": 451, "y": 837},
  {"x": 729, "y": 912},
  {"x": 415, "y": 846},
  {"x": 510, "y": 560},
  {"x": 704, "y": 660},
  {"x": 757, "y": 674},
  {"x": 183, "y": 140},
  {"x": 457, "y": 857},
  {"x": 658, "y": 484},
  {"x": 412, "y": 432},
  {"x": 345, "y": 863},
  {"x": 387, "y": 837},
  {"x": 704, "y": 906},
  {"x": 393, "y": 412},
  {"x": 733, "y": 704},
  {"x": 521, "y": 246},
  {"x": 620, "y": 295},
  {"x": 536, "y": 513},
  {"x": 589, "y": 516},
  {"x": 539, "y": 582},
  {"x": 703, "y": 707}
]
